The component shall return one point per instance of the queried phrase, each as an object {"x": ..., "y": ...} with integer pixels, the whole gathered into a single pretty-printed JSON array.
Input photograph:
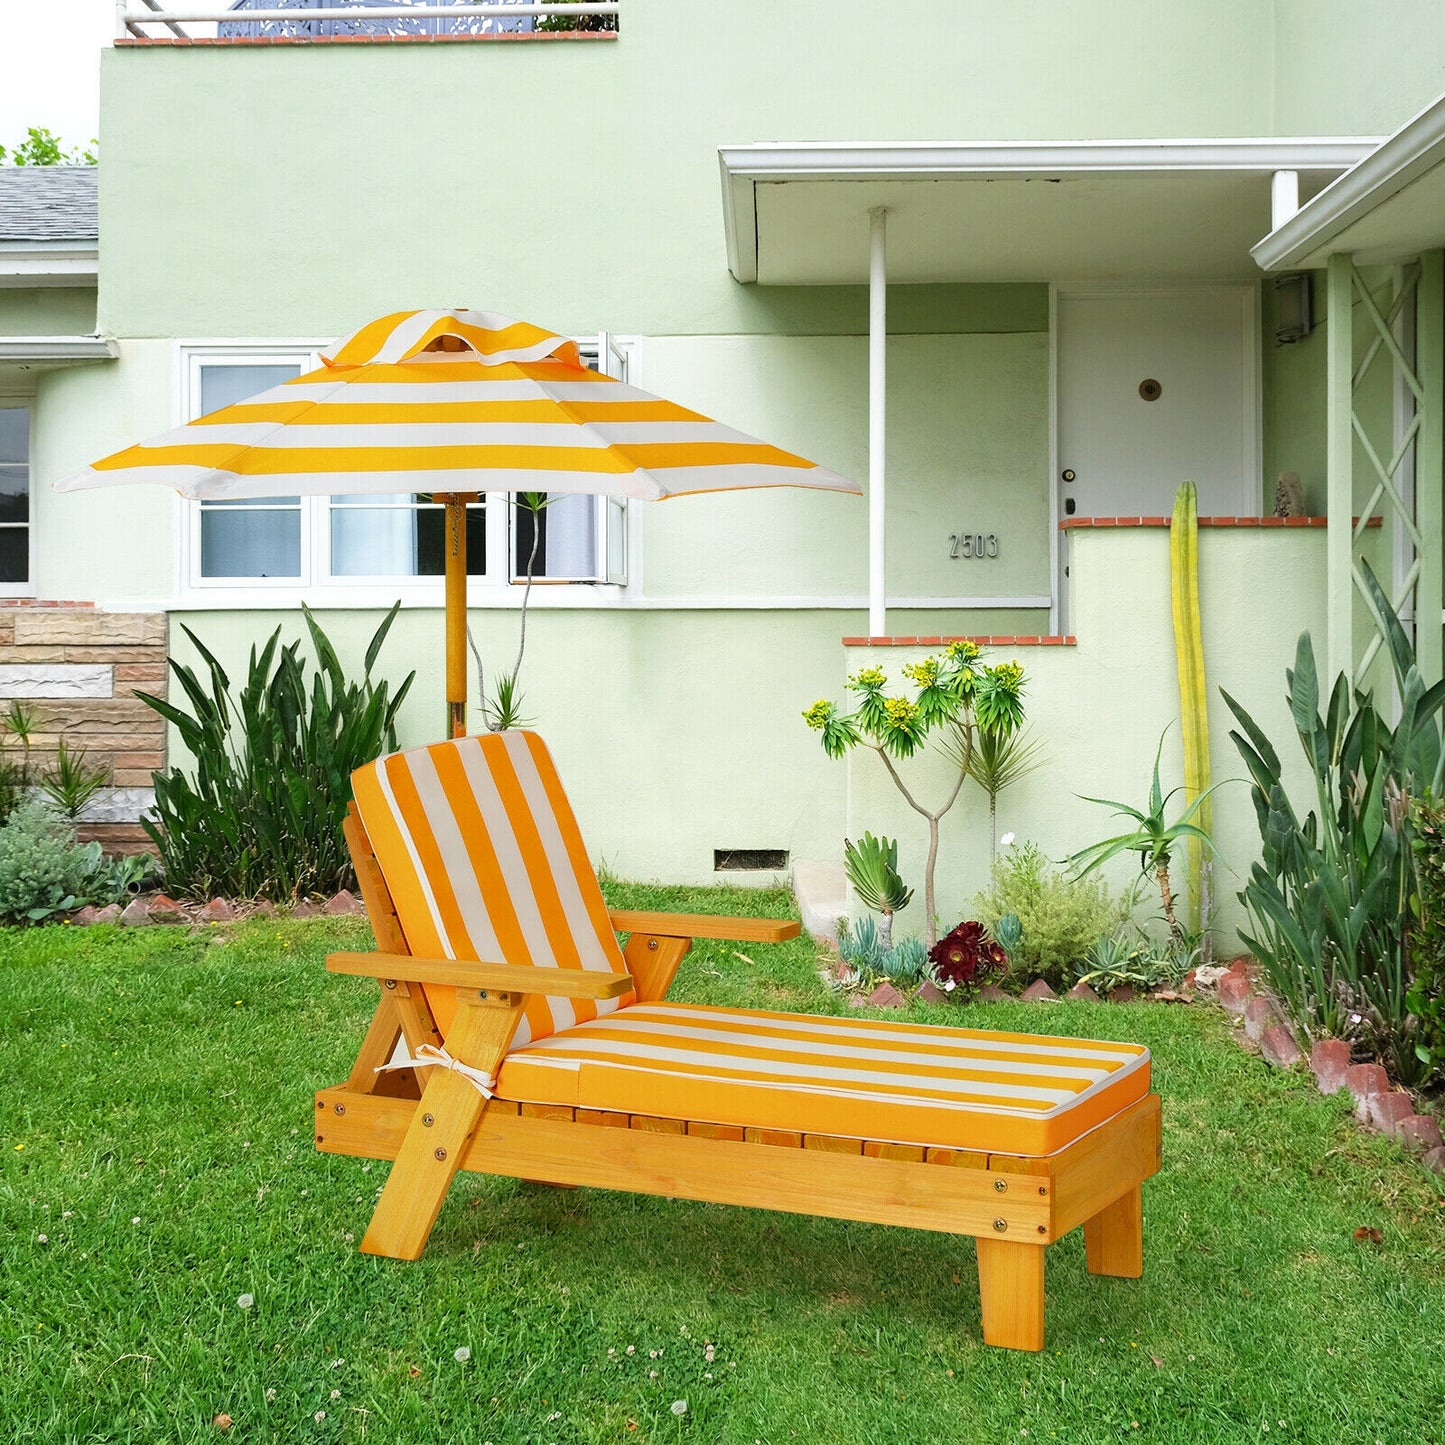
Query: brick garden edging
[
  {"x": 1378, "y": 1105},
  {"x": 1237, "y": 989},
  {"x": 151, "y": 909}
]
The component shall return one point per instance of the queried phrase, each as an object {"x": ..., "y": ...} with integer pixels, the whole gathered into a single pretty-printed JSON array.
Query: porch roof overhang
[
  {"x": 797, "y": 213},
  {"x": 1389, "y": 206}
]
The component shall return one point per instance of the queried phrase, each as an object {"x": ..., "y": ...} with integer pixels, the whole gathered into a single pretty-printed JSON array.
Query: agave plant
[
  {"x": 1151, "y": 838},
  {"x": 1330, "y": 898},
  {"x": 872, "y": 868}
]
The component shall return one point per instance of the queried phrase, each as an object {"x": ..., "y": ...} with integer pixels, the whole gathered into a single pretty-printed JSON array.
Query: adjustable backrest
[{"x": 483, "y": 858}]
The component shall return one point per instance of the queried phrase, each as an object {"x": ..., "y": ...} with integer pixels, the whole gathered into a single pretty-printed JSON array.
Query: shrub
[
  {"x": 1061, "y": 918},
  {"x": 42, "y": 869},
  {"x": 261, "y": 815}
]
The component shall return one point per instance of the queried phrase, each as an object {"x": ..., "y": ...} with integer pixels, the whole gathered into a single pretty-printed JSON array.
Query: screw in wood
[
  {"x": 1000, "y": 1185},
  {"x": 652, "y": 945},
  {"x": 439, "y": 1154},
  {"x": 389, "y": 983},
  {"x": 427, "y": 1120},
  {"x": 340, "y": 1109},
  {"x": 1000, "y": 1225}
]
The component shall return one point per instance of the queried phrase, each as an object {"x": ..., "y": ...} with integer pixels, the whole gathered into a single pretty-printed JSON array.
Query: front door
[{"x": 1156, "y": 388}]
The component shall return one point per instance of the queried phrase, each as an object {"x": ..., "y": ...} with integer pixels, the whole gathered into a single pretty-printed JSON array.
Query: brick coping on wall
[
  {"x": 944, "y": 641},
  {"x": 1070, "y": 522},
  {"x": 227, "y": 40},
  {"x": 39, "y": 602}
]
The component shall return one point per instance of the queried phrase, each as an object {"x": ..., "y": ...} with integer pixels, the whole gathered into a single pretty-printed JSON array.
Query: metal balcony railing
[{"x": 330, "y": 19}]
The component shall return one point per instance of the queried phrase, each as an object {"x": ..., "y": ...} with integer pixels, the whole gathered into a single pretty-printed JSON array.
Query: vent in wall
[{"x": 744, "y": 860}]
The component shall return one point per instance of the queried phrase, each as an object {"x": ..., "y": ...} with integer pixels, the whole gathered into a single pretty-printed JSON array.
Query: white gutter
[
  {"x": 40, "y": 263},
  {"x": 57, "y": 348},
  {"x": 745, "y": 166},
  {"x": 1397, "y": 162}
]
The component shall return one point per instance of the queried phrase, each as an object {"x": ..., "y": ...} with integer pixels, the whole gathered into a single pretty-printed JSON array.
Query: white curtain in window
[
  {"x": 375, "y": 541},
  {"x": 570, "y": 538}
]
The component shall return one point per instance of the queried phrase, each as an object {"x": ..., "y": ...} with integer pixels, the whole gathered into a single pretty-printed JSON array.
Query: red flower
[{"x": 966, "y": 955}]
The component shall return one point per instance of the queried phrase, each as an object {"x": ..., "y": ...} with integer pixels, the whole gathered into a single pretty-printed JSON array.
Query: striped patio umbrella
[{"x": 454, "y": 403}]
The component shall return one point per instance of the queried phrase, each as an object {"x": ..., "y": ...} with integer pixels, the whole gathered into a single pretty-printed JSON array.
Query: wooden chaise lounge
[{"x": 540, "y": 1048}]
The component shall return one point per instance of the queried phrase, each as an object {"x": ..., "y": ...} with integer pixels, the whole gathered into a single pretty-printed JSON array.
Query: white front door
[{"x": 1157, "y": 388}]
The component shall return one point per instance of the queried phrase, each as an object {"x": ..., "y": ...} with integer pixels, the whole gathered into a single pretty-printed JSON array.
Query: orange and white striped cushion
[
  {"x": 855, "y": 1078},
  {"x": 484, "y": 860}
]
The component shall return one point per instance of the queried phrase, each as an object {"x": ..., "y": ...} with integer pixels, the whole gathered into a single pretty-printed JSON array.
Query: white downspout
[
  {"x": 1284, "y": 197},
  {"x": 877, "y": 418}
]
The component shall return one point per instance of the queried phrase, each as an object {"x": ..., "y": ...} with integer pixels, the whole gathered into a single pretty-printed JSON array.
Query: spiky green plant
[
  {"x": 259, "y": 813},
  {"x": 1153, "y": 839},
  {"x": 872, "y": 868}
]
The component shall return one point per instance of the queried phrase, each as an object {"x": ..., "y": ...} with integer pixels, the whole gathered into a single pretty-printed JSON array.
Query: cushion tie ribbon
[{"x": 430, "y": 1055}]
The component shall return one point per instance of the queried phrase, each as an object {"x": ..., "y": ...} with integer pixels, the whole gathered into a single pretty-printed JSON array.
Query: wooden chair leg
[
  {"x": 445, "y": 1119},
  {"x": 1114, "y": 1237},
  {"x": 1011, "y": 1291}
]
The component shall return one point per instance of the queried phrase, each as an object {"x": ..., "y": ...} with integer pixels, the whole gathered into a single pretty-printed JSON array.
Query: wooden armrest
[
  {"x": 704, "y": 925},
  {"x": 465, "y": 973}
]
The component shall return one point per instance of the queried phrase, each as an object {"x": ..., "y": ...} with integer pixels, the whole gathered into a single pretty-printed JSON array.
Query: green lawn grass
[{"x": 157, "y": 1131}]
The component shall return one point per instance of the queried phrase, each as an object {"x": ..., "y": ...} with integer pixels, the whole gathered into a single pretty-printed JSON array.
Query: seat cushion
[{"x": 855, "y": 1078}]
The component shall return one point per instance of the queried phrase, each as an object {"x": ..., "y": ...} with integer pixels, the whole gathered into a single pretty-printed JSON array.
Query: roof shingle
[{"x": 48, "y": 203}]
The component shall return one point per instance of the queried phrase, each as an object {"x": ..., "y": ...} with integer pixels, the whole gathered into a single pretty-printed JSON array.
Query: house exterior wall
[
  {"x": 1342, "y": 68},
  {"x": 284, "y": 192},
  {"x": 1100, "y": 705},
  {"x": 49, "y": 311}
]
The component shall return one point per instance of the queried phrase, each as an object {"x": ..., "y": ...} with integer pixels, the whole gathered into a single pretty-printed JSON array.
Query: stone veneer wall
[{"x": 77, "y": 668}]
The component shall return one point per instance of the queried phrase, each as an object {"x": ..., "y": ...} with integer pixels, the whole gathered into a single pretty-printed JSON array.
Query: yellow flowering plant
[{"x": 955, "y": 699}]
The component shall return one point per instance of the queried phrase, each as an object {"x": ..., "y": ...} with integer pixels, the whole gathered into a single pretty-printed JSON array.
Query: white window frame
[
  {"x": 16, "y": 401},
  {"x": 316, "y": 585}
]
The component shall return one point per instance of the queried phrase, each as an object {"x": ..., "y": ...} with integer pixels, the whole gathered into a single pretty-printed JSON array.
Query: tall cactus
[{"x": 1194, "y": 719}]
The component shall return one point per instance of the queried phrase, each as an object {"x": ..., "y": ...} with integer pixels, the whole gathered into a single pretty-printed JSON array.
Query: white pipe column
[
  {"x": 1284, "y": 197},
  {"x": 877, "y": 418}
]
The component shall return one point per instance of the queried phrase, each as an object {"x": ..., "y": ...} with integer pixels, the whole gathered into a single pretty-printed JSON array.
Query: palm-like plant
[
  {"x": 995, "y": 758},
  {"x": 872, "y": 868},
  {"x": 1151, "y": 838}
]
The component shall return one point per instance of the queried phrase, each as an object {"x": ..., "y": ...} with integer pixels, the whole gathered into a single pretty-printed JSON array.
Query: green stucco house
[{"x": 1020, "y": 270}]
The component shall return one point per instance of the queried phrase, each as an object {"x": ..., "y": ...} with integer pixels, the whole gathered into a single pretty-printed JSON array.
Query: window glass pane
[
  {"x": 236, "y": 539},
  {"x": 251, "y": 544},
  {"x": 401, "y": 541},
  {"x": 566, "y": 537},
  {"x": 14, "y": 493},
  {"x": 14, "y": 554},
  {"x": 14, "y": 434},
  {"x": 225, "y": 383}
]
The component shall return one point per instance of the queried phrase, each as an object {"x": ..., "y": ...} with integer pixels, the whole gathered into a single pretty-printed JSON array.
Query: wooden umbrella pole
[{"x": 456, "y": 596}]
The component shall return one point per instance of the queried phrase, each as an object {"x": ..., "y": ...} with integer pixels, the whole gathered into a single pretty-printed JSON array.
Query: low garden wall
[
  {"x": 1100, "y": 698},
  {"x": 76, "y": 668}
]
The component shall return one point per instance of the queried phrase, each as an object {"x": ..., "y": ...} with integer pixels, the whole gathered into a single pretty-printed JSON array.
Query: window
[
  {"x": 352, "y": 540},
  {"x": 14, "y": 497}
]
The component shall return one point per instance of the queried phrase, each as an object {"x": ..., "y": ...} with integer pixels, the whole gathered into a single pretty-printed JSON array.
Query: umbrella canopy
[{"x": 455, "y": 403}]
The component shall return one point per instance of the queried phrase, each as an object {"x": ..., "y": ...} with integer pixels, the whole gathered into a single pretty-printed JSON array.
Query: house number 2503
[{"x": 973, "y": 544}]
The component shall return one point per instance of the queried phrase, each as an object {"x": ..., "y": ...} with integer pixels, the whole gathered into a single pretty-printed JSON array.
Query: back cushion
[{"x": 478, "y": 845}]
